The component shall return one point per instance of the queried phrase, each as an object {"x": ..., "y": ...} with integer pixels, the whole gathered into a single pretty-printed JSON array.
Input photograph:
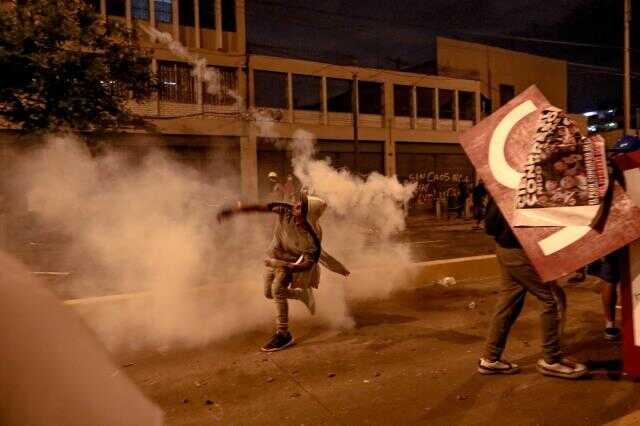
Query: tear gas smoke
[
  {"x": 150, "y": 227},
  {"x": 209, "y": 75}
]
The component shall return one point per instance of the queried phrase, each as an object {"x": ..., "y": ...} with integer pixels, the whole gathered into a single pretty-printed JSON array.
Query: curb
[{"x": 416, "y": 274}]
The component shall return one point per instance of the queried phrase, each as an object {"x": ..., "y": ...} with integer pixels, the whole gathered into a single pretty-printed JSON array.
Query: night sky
[{"x": 401, "y": 33}]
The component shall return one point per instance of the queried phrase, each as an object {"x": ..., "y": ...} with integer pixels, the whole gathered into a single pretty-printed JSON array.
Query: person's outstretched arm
[{"x": 226, "y": 213}]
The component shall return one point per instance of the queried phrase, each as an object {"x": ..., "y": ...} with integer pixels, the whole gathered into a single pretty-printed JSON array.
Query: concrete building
[
  {"x": 407, "y": 123},
  {"x": 502, "y": 73}
]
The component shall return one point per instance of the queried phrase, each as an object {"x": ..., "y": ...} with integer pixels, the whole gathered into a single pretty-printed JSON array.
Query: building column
[
  {"x": 152, "y": 14},
  {"x": 196, "y": 13},
  {"x": 323, "y": 97},
  {"x": 218, "y": 12},
  {"x": 389, "y": 141},
  {"x": 290, "y": 97},
  {"x": 436, "y": 108},
  {"x": 251, "y": 88},
  {"x": 241, "y": 28},
  {"x": 103, "y": 8},
  {"x": 242, "y": 89},
  {"x": 127, "y": 13},
  {"x": 175, "y": 12},
  {"x": 414, "y": 107},
  {"x": 154, "y": 70},
  {"x": 456, "y": 111},
  {"x": 249, "y": 165}
]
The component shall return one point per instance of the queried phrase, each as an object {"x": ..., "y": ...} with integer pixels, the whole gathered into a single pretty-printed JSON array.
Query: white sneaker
[
  {"x": 565, "y": 368},
  {"x": 497, "y": 367}
]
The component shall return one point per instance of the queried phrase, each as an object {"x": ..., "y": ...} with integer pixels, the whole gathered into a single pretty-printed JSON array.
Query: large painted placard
[{"x": 500, "y": 148}]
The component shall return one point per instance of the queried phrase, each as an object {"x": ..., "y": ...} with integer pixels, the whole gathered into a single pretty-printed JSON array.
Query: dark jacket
[{"x": 496, "y": 225}]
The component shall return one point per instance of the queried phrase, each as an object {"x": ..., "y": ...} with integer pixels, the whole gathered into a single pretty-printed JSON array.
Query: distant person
[
  {"x": 478, "y": 197},
  {"x": 519, "y": 278},
  {"x": 462, "y": 198},
  {"x": 292, "y": 259},
  {"x": 608, "y": 270},
  {"x": 276, "y": 192},
  {"x": 451, "y": 198}
]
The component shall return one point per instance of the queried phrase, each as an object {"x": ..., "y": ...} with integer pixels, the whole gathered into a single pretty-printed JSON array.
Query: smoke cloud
[{"x": 145, "y": 233}]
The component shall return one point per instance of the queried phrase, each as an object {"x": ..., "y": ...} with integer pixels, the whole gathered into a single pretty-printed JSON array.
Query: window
[
  {"x": 445, "y": 102},
  {"x": 270, "y": 89},
  {"x": 140, "y": 9},
  {"x": 116, "y": 7},
  {"x": 229, "y": 15},
  {"x": 307, "y": 90},
  {"x": 424, "y": 102},
  {"x": 176, "y": 82},
  {"x": 467, "y": 106},
  {"x": 207, "y": 12},
  {"x": 507, "y": 92},
  {"x": 186, "y": 14},
  {"x": 402, "y": 101},
  {"x": 228, "y": 85},
  {"x": 164, "y": 11},
  {"x": 339, "y": 95},
  {"x": 369, "y": 97}
]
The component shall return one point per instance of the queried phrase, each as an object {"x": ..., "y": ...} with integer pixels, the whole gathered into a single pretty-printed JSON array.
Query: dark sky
[{"x": 400, "y": 33}]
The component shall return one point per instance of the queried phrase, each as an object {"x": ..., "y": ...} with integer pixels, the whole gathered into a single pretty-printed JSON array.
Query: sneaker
[
  {"x": 497, "y": 367},
  {"x": 564, "y": 368},
  {"x": 309, "y": 300},
  {"x": 278, "y": 342},
  {"x": 612, "y": 333}
]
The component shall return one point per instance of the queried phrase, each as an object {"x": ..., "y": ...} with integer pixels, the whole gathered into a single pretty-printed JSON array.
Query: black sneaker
[
  {"x": 612, "y": 333},
  {"x": 278, "y": 342}
]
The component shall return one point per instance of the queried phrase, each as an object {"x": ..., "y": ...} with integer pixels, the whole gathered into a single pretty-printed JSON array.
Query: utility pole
[
  {"x": 627, "y": 68},
  {"x": 355, "y": 110}
]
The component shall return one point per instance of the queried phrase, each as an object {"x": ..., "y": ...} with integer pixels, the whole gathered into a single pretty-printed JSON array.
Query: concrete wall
[{"x": 493, "y": 66}]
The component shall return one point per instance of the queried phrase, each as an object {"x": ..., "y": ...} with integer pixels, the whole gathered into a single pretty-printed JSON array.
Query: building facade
[
  {"x": 502, "y": 73},
  {"x": 407, "y": 124}
]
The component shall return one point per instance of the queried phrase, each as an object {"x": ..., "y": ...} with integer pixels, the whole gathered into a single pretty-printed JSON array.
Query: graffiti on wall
[{"x": 438, "y": 185}]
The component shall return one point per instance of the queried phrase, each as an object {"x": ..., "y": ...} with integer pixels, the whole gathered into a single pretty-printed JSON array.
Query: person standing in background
[
  {"x": 478, "y": 196},
  {"x": 462, "y": 198},
  {"x": 276, "y": 193}
]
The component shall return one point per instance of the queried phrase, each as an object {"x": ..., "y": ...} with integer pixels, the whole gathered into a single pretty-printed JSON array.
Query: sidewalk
[{"x": 410, "y": 359}]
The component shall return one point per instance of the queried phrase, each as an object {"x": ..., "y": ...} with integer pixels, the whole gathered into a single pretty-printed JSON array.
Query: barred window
[
  {"x": 164, "y": 11},
  {"x": 176, "y": 82},
  {"x": 140, "y": 9},
  {"x": 228, "y": 86},
  {"x": 207, "y": 12}
]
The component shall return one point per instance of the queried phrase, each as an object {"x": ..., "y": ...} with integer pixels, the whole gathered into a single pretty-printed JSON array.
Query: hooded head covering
[{"x": 315, "y": 207}]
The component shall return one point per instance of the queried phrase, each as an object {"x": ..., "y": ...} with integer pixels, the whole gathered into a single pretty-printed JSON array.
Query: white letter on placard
[{"x": 510, "y": 177}]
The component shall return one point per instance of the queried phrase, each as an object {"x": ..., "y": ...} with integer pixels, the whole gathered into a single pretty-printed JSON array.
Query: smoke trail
[
  {"x": 377, "y": 201},
  {"x": 209, "y": 75}
]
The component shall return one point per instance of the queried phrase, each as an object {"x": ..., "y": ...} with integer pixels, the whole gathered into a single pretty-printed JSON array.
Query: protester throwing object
[{"x": 292, "y": 259}]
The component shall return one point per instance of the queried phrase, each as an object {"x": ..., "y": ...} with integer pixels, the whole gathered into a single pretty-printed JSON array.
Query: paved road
[{"x": 409, "y": 359}]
